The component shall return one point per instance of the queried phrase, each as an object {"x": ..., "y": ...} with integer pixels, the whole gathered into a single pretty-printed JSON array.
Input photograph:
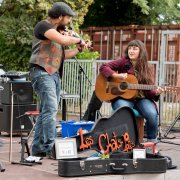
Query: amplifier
[
  {"x": 5, "y": 117},
  {"x": 22, "y": 90}
]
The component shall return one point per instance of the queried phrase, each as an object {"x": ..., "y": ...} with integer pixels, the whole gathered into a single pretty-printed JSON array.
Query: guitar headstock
[{"x": 172, "y": 89}]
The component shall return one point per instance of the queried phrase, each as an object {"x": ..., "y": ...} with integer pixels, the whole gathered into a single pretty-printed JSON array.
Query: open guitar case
[{"x": 106, "y": 133}]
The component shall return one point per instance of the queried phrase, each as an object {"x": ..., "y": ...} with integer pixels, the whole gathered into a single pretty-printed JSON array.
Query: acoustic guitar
[{"x": 127, "y": 89}]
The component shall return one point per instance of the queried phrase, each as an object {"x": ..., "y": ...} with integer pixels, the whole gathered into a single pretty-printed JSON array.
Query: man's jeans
[
  {"x": 147, "y": 109},
  {"x": 47, "y": 88}
]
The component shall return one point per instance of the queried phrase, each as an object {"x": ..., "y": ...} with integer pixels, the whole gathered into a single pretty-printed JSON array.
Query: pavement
[{"x": 49, "y": 167}]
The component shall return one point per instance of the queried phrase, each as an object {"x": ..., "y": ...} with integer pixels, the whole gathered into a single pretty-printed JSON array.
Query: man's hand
[{"x": 85, "y": 45}]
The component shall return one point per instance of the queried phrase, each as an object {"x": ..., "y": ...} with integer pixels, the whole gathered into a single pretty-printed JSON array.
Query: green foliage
[
  {"x": 128, "y": 12},
  {"x": 88, "y": 55},
  {"x": 17, "y": 19},
  {"x": 81, "y": 9},
  {"x": 165, "y": 12},
  {"x": 115, "y": 13},
  {"x": 143, "y": 4},
  {"x": 162, "y": 11}
]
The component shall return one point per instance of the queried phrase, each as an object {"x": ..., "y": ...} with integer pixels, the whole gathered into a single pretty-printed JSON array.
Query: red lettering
[
  {"x": 88, "y": 141},
  {"x": 103, "y": 136}
]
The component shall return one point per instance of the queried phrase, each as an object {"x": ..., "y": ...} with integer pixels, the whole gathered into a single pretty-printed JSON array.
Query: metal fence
[
  {"x": 169, "y": 74},
  {"x": 166, "y": 72},
  {"x": 71, "y": 85},
  {"x": 110, "y": 42}
]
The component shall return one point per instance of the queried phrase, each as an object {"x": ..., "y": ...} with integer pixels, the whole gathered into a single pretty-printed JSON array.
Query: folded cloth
[{"x": 33, "y": 159}]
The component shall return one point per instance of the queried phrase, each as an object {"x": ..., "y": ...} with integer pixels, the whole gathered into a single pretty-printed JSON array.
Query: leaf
[{"x": 143, "y": 5}]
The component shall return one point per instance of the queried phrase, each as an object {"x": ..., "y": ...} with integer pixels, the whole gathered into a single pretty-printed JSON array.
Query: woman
[{"x": 135, "y": 62}]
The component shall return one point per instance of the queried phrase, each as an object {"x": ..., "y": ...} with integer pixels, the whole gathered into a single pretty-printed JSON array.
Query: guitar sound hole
[{"x": 123, "y": 86}]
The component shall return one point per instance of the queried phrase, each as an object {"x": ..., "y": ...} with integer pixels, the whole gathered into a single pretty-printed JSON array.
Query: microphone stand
[
  {"x": 11, "y": 126},
  {"x": 172, "y": 125},
  {"x": 80, "y": 72},
  {"x": 5, "y": 80},
  {"x": 160, "y": 138},
  {"x": 2, "y": 169}
]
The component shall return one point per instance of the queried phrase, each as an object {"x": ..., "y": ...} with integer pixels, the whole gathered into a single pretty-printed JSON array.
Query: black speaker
[
  {"x": 5, "y": 117},
  {"x": 22, "y": 90}
]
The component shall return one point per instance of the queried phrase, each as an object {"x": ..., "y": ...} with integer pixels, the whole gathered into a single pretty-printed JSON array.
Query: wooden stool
[
  {"x": 152, "y": 145},
  {"x": 140, "y": 124},
  {"x": 24, "y": 140},
  {"x": 32, "y": 117},
  {"x": 140, "y": 127}
]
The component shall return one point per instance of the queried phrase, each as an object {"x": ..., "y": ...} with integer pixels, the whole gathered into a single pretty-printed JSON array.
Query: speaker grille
[
  {"x": 23, "y": 92},
  {"x": 5, "y": 117}
]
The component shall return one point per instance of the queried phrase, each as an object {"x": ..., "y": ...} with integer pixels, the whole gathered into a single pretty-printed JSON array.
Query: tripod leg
[
  {"x": 27, "y": 148},
  {"x": 63, "y": 109},
  {"x": 172, "y": 125},
  {"x": 23, "y": 141},
  {"x": 2, "y": 169}
]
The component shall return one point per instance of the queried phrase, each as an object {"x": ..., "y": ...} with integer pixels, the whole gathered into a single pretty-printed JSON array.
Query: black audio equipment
[
  {"x": 15, "y": 74},
  {"x": 22, "y": 90},
  {"x": 24, "y": 122}
]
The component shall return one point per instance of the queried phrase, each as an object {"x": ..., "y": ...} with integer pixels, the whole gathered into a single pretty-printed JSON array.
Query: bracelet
[
  {"x": 79, "y": 42},
  {"x": 79, "y": 49}
]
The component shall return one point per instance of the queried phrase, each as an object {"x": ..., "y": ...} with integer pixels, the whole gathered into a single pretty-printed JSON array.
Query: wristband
[
  {"x": 79, "y": 49},
  {"x": 79, "y": 42}
]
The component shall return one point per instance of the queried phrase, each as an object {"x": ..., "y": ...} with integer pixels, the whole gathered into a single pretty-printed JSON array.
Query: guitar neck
[{"x": 142, "y": 87}]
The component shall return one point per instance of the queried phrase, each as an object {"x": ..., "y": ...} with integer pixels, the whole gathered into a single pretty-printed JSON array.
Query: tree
[
  {"x": 17, "y": 19},
  {"x": 113, "y": 13},
  {"x": 164, "y": 11},
  {"x": 128, "y": 12}
]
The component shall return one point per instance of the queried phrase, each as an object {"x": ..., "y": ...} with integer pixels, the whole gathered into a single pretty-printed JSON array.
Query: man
[{"x": 46, "y": 65}]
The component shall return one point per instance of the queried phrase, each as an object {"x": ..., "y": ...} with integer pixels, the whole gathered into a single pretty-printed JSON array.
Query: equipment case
[
  {"x": 83, "y": 167},
  {"x": 117, "y": 136}
]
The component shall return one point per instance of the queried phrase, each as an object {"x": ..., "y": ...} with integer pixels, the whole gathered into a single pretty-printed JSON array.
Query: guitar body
[
  {"x": 106, "y": 91},
  {"x": 127, "y": 89}
]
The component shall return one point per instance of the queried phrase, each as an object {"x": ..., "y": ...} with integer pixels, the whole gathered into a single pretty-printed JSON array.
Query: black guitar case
[
  {"x": 116, "y": 136},
  {"x": 120, "y": 124}
]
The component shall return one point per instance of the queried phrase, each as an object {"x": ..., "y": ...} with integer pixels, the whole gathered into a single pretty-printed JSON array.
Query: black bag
[{"x": 116, "y": 136}]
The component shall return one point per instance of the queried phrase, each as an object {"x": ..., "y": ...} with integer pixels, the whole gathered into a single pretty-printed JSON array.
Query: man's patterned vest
[{"x": 47, "y": 54}]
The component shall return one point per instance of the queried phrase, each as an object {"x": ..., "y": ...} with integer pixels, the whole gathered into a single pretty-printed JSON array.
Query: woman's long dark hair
[{"x": 142, "y": 68}]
